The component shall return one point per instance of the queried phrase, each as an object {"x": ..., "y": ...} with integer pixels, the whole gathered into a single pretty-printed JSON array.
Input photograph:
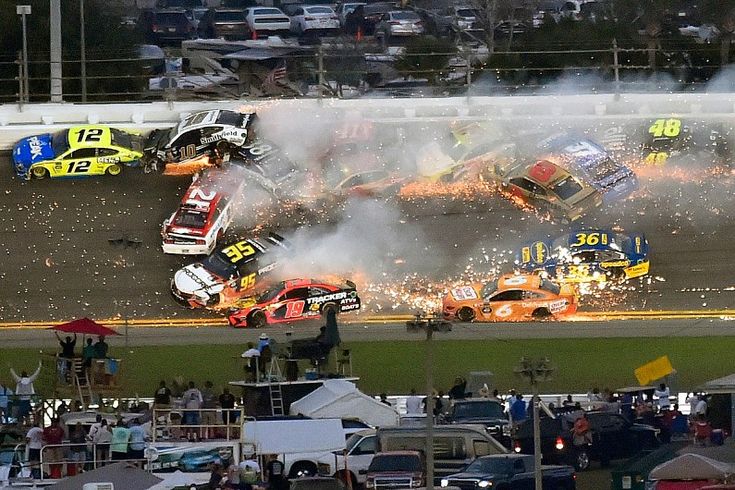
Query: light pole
[
  {"x": 534, "y": 371},
  {"x": 429, "y": 324},
  {"x": 24, "y": 10},
  {"x": 83, "y": 54}
]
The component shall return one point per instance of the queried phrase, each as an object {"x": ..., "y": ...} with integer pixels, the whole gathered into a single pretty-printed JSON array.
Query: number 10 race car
[{"x": 296, "y": 299}]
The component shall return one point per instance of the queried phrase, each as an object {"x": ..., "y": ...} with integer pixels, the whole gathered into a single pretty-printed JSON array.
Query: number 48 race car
[{"x": 296, "y": 299}]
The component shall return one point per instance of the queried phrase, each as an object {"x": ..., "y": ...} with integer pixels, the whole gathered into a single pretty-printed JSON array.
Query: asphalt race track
[{"x": 92, "y": 248}]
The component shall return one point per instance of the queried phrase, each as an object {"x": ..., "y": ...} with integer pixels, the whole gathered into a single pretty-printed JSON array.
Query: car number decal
[
  {"x": 590, "y": 239},
  {"x": 238, "y": 251},
  {"x": 665, "y": 127},
  {"x": 464, "y": 293},
  {"x": 504, "y": 311},
  {"x": 294, "y": 309}
]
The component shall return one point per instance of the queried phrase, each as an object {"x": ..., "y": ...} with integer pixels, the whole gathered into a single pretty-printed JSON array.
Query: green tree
[{"x": 425, "y": 57}]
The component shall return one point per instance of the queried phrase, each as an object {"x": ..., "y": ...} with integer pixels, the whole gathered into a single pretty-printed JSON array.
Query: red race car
[{"x": 293, "y": 300}]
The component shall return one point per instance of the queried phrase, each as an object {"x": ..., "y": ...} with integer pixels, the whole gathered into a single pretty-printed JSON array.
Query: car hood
[
  {"x": 194, "y": 278},
  {"x": 480, "y": 420},
  {"x": 474, "y": 476},
  {"x": 33, "y": 149}
]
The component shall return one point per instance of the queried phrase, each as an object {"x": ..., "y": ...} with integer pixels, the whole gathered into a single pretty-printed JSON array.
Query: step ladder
[
  {"x": 274, "y": 388},
  {"x": 80, "y": 379}
]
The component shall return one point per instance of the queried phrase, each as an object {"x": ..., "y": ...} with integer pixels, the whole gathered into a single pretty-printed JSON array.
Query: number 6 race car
[
  {"x": 588, "y": 256},
  {"x": 191, "y": 145},
  {"x": 80, "y": 151},
  {"x": 296, "y": 299},
  {"x": 510, "y": 298}
]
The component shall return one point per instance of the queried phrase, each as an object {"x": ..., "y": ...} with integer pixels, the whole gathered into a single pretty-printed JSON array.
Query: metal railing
[{"x": 58, "y": 460}]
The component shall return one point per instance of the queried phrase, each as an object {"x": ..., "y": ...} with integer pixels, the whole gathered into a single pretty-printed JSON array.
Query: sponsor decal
[
  {"x": 615, "y": 263},
  {"x": 464, "y": 293},
  {"x": 355, "y": 306},
  {"x": 226, "y": 134},
  {"x": 327, "y": 297},
  {"x": 35, "y": 146},
  {"x": 108, "y": 159},
  {"x": 267, "y": 268},
  {"x": 557, "y": 306}
]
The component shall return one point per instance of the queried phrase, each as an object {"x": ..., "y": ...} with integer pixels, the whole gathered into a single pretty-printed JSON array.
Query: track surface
[{"x": 59, "y": 262}]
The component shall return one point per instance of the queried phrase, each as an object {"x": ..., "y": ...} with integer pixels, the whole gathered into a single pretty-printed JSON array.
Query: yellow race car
[{"x": 80, "y": 151}]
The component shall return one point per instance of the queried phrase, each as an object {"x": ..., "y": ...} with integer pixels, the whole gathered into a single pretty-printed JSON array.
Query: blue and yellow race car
[
  {"x": 590, "y": 255},
  {"x": 80, "y": 151}
]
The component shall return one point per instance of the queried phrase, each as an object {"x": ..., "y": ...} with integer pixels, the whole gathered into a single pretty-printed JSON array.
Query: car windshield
[
  {"x": 482, "y": 409},
  {"x": 466, "y": 13},
  {"x": 549, "y": 286},
  {"x": 220, "y": 265},
  {"x": 267, "y": 12},
  {"x": 271, "y": 293},
  {"x": 567, "y": 188},
  {"x": 489, "y": 465},
  {"x": 318, "y": 10},
  {"x": 120, "y": 138},
  {"x": 352, "y": 442},
  {"x": 489, "y": 288},
  {"x": 229, "y": 16},
  {"x": 395, "y": 462},
  {"x": 191, "y": 219},
  {"x": 405, "y": 16},
  {"x": 60, "y": 142}
]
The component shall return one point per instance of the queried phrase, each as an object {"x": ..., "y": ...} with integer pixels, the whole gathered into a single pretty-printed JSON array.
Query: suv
[
  {"x": 613, "y": 437},
  {"x": 224, "y": 23},
  {"x": 483, "y": 411},
  {"x": 162, "y": 26},
  {"x": 395, "y": 470}
]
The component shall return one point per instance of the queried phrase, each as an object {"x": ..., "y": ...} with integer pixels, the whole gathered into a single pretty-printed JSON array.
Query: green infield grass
[{"x": 396, "y": 367}]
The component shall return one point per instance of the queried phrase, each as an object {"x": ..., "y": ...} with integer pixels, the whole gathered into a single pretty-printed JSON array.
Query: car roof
[
  {"x": 403, "y": 452},
  {"x": 105, "y": 138},
  {"x": 532, "y": 281}
]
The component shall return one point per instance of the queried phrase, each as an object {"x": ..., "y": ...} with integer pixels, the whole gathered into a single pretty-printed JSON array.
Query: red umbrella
[{"x": 84, "y": 326}]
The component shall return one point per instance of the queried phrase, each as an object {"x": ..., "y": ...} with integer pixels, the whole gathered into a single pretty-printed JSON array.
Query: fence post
[
  {"x": 320, "y": 68},
  {"x": 21, "y": 76},
  {"x": 616, "y": 68}
]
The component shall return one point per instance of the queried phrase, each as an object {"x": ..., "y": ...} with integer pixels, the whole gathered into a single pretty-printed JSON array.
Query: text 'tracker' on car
[
  {"x": 199, "y": 141},
  {"x": 229, "y": 273},
  {"x": 80, "y": 151}
]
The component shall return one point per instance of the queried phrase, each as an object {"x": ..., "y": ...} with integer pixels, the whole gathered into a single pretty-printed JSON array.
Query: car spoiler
[
  {"x": 350, "y": 284},
  {"x": 279, "y": 240}
]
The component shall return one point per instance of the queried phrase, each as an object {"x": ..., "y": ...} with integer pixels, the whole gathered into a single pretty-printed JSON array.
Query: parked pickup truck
[
  {"x": 510, "y": 471},
  {"x": 396, "y": 470}
]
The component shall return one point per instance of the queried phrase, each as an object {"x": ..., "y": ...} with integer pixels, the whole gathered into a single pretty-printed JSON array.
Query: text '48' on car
[
  {"x": 80, "y": 151},
  {"x": 512, "y": 297},
  {"x": 293, "y": 300},
  {"x": 198, "y": 141},
  {"x": 203, "y": 216},
  {"x": 589, "y": 255},
  {"x": 229, "y": 273}
]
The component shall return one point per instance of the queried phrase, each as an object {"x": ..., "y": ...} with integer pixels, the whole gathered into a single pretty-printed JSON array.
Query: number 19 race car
[
  {"x": 588, "y": 256},
  {"x": 80, "y": 151},
  {"x": 512, "y": 297},
  {"x": 229, "y": 273},
  {"x": 198, "y": 141},
  {"x": 296, "y": 299}
]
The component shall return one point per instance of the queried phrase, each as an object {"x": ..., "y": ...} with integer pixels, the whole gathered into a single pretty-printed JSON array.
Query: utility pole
[
  {"x": 429, "y": 323},
  {"x": 23, "y": 11},
  {"x": 83, "y": 53},
  {"x": 534, "y": 371},
  {"x": 55, "y": 50}
]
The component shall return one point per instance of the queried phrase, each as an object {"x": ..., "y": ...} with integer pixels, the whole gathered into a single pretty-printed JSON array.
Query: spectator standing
[
  {"x": 78, "y": 449},
  {"x": 209, "y": 412},
  {"x": 215, "y": 477},
  {"x": 67, "y": 345},
  {"x": 227, "y": 402},
  {"x": 5, "y": 395},
  {"x": 53, "y": 436},
  {"x": 518, "y": 411},
  {"x": 458, "y": 389},
  {"x": 101, "y": 440},
  {"x": 24, "y": 389},
  {"x": 193, "y": 402},
  {"x": 581, "y": 433},
  {"x": 34, "y": 441},
  {"x": 137, "y": 440},
  {"x": 94, "y": 427},
  {"x": 162, "y": 397},
  {"x": 413, "y": 403},
  {"x": 662, "y": 394},
  {"x": 568, "y": 403},
  {"x": 701, "y": 407},
  {"x": 88, "y": 353},
  {"x": 439, "y": 404},
  {"x": 101, "y": 348},
  {"x": 263, "y": 342},
  {"x": 594, "y": 395},
  {"x": 275, "y": 474},
  {"x": 119, "y": 442},
  {"x": 692, "y": 400}
]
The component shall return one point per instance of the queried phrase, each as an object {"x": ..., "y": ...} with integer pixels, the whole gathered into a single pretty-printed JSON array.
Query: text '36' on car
[
  {"x": 229, "y": 273},
  {"x": 203, "y": 216},
  {"x": 199, "y": 141},
  {"x": 294, "y": 300},
  {"x": 590, "y": 255},
  {"x": 79, "y": 151},
  {"x": 512, "y": 297}
]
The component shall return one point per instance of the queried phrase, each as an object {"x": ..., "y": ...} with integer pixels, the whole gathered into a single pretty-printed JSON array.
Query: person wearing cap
[
  {"x": 253, "y": 359},
  {"x": 263, "y": 341}
]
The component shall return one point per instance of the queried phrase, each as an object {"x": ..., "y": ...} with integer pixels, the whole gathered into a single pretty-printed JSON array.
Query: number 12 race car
[
  {"x": 296, "y": 299},
  {"x": 510, "y": 298},
  {"x": 80, "y": 151},
  {"x": 588, "y": 256}
]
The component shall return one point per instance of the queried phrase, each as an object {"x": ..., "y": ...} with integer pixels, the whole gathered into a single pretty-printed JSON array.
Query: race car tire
[
  {"x": 39, "y": 172},
  {"x": 223, "y": 148},
  {"x": 327, "y": 307},
  {"x": 541, "y": 314},
  {"x": 465, "y": 314},
  {"x": 257, "y": 319},
  {"x": 114, "y": 169}
]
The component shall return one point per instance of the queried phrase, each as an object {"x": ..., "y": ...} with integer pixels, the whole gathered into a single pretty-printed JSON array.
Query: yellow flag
[{"x": 654, "y": 370}]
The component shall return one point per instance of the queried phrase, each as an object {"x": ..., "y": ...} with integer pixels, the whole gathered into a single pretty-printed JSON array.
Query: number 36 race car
[
  {"x": 296, "y": 299},
  {"x": 76, "y": 152},
  {"x": 510, "y": 298}
]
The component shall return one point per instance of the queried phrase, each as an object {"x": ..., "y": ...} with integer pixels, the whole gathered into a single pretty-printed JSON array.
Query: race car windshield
[
  {"x": 567, "y": 188},
  {"x": 549, "y": 286},
  {"x": 489, "y": 289},
  {"x": 191, "y": 219},
  {"x": 220, "y": 265},
  {"x": 60, "y": 142},
  {"x": 271, "y": 293}
]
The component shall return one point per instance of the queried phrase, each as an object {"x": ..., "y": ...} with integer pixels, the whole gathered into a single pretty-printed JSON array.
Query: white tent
[
  {"x": 692, "y": 467},
  {"x": 341, "y": 399}
]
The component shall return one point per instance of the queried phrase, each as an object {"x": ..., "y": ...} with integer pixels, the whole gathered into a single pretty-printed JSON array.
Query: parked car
[
  {"x": 613, "y": 437},
  {"x": 489, "y": 413},
  {"x": 267, "y": 20},
  {"x": 373, "y": 13},
  {"x": 165, "y": 26},
  {"x": 314, "y": 18},
  {"x": 399, "y": 23},
  {"x": 510, "y": 471},
  {"x": 396, "y": 470},
  {"x": 343, "y": 9},
  {"x": 195, "y": 15},
  {"x": 224, "y": 23}
]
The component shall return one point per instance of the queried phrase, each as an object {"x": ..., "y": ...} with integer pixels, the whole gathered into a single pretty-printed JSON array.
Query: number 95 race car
[{"x": 80, "y": 151}]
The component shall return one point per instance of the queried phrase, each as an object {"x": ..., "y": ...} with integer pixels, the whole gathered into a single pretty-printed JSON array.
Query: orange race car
[{"x": 510, "y": 298}]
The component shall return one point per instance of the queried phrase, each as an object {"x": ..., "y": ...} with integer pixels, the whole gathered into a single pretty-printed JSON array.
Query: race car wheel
[
  {"x": 39, "y": 172},
  {"x": 257, "y": 319},
  {"x": 114, "y": 169},
  {"x": 327, "y": 308},
  {"x": 541, "y": 314},
  {"x": 465, "y": 314},
  {"x": 223, "y": 148}
]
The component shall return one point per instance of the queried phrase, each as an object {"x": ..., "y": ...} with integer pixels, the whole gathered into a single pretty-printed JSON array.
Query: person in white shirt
[
  {"x": 413, "y": 403},
  {"x": 34, "y": 442},
  {"x": 192, "y": 401},
  {"x": 701, "y": 408},
  {"x": 24, "y": 389},
  {"x": 663, "y": 393}
]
